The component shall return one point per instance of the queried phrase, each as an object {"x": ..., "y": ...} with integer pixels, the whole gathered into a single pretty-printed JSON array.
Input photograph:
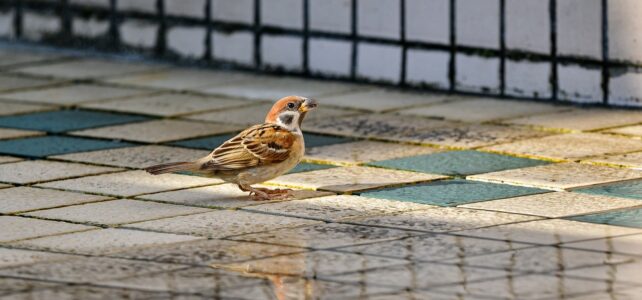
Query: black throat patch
[{"x": 286, "y": 119}]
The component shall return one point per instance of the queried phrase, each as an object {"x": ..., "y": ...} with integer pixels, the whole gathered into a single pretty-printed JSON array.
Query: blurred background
[{"x": 582, "y": 51}]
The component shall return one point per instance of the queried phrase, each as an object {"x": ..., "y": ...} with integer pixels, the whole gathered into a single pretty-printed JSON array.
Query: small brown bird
[{"x": 258, "y": 154}]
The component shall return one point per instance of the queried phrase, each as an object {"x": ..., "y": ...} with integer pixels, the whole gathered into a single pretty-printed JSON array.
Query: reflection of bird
[{"x": 257, "y": 154}]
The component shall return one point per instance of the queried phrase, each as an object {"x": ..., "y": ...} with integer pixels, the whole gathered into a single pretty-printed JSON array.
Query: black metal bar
[
  {"x": 257, "y": 34},
  {"x": 209, "y": 50},
  {"x": 606, "y": 72},
  {"x": 402, "y": 39},
  {"x": 502, "y": 47},
  {"x": 66, "y": 19},
  {"x": 353, "y": 37},
  {"x": 306, "y": 37},
  {"x": 554, "y": 62},
  {"x": 453, "y": 47},
  {"x": 114, "y": 33},
  {"x": 17, "y": 19},
  {"x": 161, "y": 37}
]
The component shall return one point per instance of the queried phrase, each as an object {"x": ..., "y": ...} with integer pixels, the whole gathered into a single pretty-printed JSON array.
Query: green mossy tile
[
  {"x": 627, "y": 218},
  {"x": 67, "y": 120},
  {"x": 627, "y": 189},
  {"x": 316, "y": 140},
  {"x": 54, "y": 145},
  {"x": 305, "y": 167},
  {"x": 206, "y": 143}
]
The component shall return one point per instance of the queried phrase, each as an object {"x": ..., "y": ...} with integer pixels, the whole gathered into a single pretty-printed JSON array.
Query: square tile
[
  {"x": 22, "y": 199},
  {"x": 103, "y": 241},
  {"x": 363, "y": 151},
  {"x": 221, "y": 223},
  {"x": 14, "y": 108},
  {"x": 12, "y": 57},
  {"x": 335, "y": 208},
  {"x": 307, "y": 167},
  {"x": 15, "y": 257},
  {"x": 9, "y": 159},
  {"x": 19, "y": 228},
  {"x": 73, "y": 94},
  {"x": 130, "y": 183},
  {"x": 86, "y": 68},
  {"x": 180, "y": 79},
  {"x": 631, "y": 217},
  {"x": 379, "y": 100},
  {"x": 75, "y": 290},
  {"x": 619, "y": 277},
  {"x": 10, "y": 82},
  {"x": 316, "y": 140},
  {"x": 442, "y": 219},
  {"x": 481, "y": 109},
  {"x": 135, "y": 157},
  {"x": 207, "y": 143},
  {"x": 374, "y": 125},
  {"x": 628, "y": 245},
  {"x": 629, "y": 130},
  {"x": 67, "y": 120},
  {"x": 52, "y": 145},
  {"x": 579, "y": 119},
  {"x": 559, "y": 177},
  {"x": 629, "y": 160},
  {"x": 114, "y": 212},
  {"x": 158, "y": 131},
  {"x": 458, "y": 163},
  {"x": 569, "y": 146},
  {"x": 323, "y": 236},
  {"x": 626, "y": 189},
  {"x": 351, "y": 179},
  {"x": 549, "y": 232},
  {"x": 32, "y": 171},
  {"x": 220, "y": 196},
  {"x": 167, "y": 105},
  {"x": 453, "y": 192},
  {"x": 16, "y": 133},
  {"x": 555, "y": 205}
]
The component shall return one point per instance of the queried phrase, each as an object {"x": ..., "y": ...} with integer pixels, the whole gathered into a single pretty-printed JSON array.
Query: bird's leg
[
  {"x": 265, "y": 194},
  {"x": 275, "y": 191}
]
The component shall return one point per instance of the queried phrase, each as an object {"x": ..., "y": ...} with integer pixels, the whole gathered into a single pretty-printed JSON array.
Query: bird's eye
[{"x": 290, "y": 105}]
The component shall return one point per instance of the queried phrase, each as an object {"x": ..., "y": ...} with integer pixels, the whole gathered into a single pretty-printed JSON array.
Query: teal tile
[
  {"x": 627, "y": 189},
  {"x": 628, "y": 218},
  {"x": 54, "y": 145},
  {"x": 316, "y": 140},
  {"x": 453, "y": 192},
  {"x": 67, "y": 120},
  {"x": 206, "y": 143},
  {"x": 458, "y": 163},
  {"x": 306, "y": 167}
]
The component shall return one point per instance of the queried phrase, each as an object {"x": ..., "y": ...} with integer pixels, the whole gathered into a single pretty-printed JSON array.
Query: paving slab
[
  {"x": 103, "y": 241},
  {"x": 627, "y": 189},
  {"x": 33, "y": 171},
  {"x": 15, "y": 108},
  {"x": 635, "y": 130},
  {"x": 180, "y": 79},
  {"x": 135, "y": 157},
  {"x": 335, "y": 208},
  {"x": 72, "y": 94},
  {"x": 582, "y": 119},
  {"x": 323, "y": 236},
  {"x": 11, "y": 82},
  {"x": 52, "y": 145},
  {"x": 363, "y": 152},
  {"x": 206, "y": 143},
  {"x": 6, "y": 133},
  {"x": 114, "y": 212},
  {"x": 67, "y": 120},
  {"x": 442, "y": 219},
  {"x": 13, "y": 287},
  {"x": 15, "y": 57},
  {"x": 158, "y": 131},
  {"x": 629, "y": 160},
  {"x": 549, "y": 232},
  {"x": 482, "y": 109},
  {"x": 570, "y": 146},
  {"x": 130, "y": 183},
  {"x": 561, "y": 176},
  {"x": 86, "y": 68},
  {"x": 222, "y": 223},
  {"x": 166, "y": 104},
  {"x": 556, "y": 205},
  {"x": 374, "y": 125},
  {"x": 20, "y": 228},
  {"x": 8, "y": 159},
  {"x": 351, "y": 179},
  {"x": 307, "y": 167},
  {"x": 78, "y": 291},
  {"x": 631, "y": 217},
  {"x": 458, "y": 163},
  {"x": 379, "y": 100},
  {"x": 621, "y": 277},
  {"x": 15, "y": 257},
  {"x": 452, "y": 192},
  {"x": 23, "y": 199},
  {"x": 627, "y": 245}
]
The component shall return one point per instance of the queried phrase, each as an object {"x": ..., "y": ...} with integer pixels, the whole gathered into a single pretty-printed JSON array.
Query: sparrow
[{"x": 257, "y": 154}]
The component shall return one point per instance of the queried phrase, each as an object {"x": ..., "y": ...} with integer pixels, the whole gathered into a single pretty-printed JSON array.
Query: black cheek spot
[{"x": 286, "y": 119}]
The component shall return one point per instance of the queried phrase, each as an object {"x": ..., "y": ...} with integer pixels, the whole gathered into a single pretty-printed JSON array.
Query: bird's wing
[{"x": 257, "y": 145}]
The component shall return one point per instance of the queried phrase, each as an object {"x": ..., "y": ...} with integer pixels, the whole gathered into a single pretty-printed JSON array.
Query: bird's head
[{"x": 290, "y": 111}]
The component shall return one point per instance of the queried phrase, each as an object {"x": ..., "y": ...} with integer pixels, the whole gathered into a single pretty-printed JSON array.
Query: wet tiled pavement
[{"x": 401, "y": 195}]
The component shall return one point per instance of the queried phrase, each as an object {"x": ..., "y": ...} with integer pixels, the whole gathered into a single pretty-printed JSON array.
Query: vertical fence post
[
  {"x": 502, "y": 48},
  {"x": 452, "y": 79},
  {"x": 553, "y": 21},
  {"x": 402, "y": 38},
  {"x": 606, "y": 72},
  {"x": 257, "y": 35}
]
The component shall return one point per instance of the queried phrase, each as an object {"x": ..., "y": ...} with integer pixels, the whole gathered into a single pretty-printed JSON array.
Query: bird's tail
[{"x": 172, "y": 167}]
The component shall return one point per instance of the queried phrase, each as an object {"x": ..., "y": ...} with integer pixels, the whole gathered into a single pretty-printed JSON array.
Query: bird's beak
[{"x": 308, "y": 105}]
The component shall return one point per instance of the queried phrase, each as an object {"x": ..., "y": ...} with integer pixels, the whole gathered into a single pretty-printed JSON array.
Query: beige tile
[
  {"x": 86, "y": 68},
  {"x": 555, "y": 205},
  {"x": 13, "y": 57},
  {"x": 222, "y": 195},
  {"x": 619, "y": 275},
  {"x": 352, "y": 179},
  {"x": 10, "y": 83},
  {"x": 629, "y": 130},
  {"x": 379, "y": 100},
  {"x": 16, "y": 257},
  {"x": 181, "y": 79},
  {"x": 73, "y": 94},
  {"x": 33, "y": 171},
  {"x": 442, "y": 219},
  {"x": 482, "y": 109},
  {"x": 6, "y": 133},
  {"x": 158, "y": 131},
  {"x": 363, "y": 152},
  {"x": 130, "y": 183},
  {"x": 549, "y": 232},
  {"x": 8, "y": 159},
  {"x": 570, "y": 146},
  {"x": 629, "y": 245},
  {"x": 135, "y": 157},
  {"x": 21, "y": 199},
  {"x": 19, "y": 228},
  {"x": 167, "y": 105},
  {"x": 630, "y": 160},
  {"x": 582, "y": 119},
  {"x": 103, "y": 241},
  {"x": 273, "y": 88},
  {"x": 374, "y": 125},
  {"x": 222, "y": 223},
  {"x": 115, "y": 212},
  {"x": 15, "y": 108},
  {"x": 335, "y": 208},
  {"x": 561, "y": 176}
]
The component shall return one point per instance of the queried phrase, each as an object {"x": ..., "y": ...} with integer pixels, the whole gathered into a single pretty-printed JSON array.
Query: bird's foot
[{"x": 262, "y": 194}]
